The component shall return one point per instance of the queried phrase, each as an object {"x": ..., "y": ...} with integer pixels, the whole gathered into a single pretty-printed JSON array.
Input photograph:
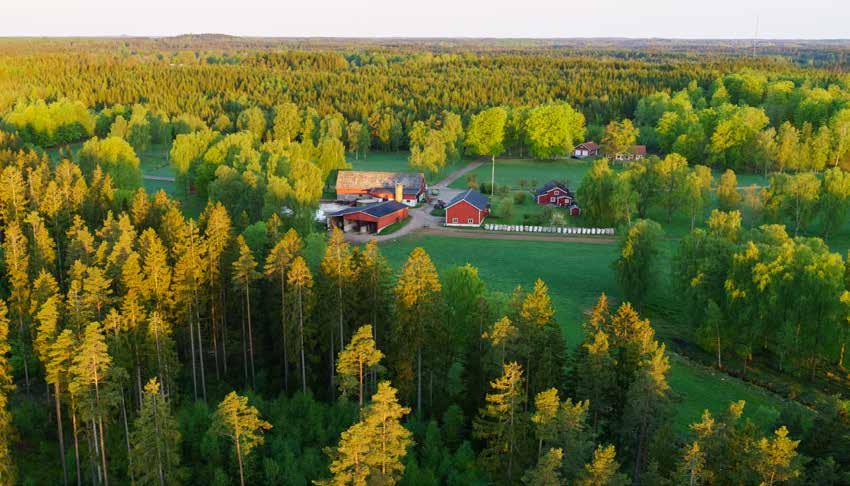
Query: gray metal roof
[{"x": 473, "y": 197}]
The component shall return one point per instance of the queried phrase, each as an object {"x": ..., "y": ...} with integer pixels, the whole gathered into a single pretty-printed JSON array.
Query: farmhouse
[
  {"x": 586, "y": 149},
  {"x": 368, "y": 219},
  {"x": 554, "y": 193},
  {"x": 352, "y": 185},
  {"x": 637, "y": 152},
  {"x": 468, "y": 208}
]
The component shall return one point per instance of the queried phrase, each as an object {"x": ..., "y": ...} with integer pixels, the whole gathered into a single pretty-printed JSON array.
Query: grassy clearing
[
  {"x": 576, "y": 274},
  {"x": 536, "y": 172}
]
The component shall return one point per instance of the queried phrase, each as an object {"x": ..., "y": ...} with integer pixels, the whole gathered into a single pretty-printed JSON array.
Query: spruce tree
[
  {"x": 371, "y": 451},
  {"x": 501, "y": 423},
  {"x": 241, "y": 423},
  {"x": 547, "y": 470},
  {"x": 603, "y": 470},
  {"x": 155, "y": 440}
]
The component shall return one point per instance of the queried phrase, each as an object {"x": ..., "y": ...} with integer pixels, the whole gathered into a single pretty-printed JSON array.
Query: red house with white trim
[
  {"x": 554, "y": 193},
  {"x": 468, "y": 208}
]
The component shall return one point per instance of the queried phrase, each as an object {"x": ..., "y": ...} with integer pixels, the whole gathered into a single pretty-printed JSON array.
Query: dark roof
[
  {"x": 589, "y": 145},
  {"x": 375, "y": 210},
  {"x": 552, "y": 185},
  {"x": 471, "y": 196}
]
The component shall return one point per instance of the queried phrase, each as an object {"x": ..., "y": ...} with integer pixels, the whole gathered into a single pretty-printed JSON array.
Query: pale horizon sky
[{"x": 715, "y": 19}]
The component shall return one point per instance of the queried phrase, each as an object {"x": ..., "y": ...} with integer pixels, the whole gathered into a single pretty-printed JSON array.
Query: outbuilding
[
  {"x": 636, "y": 152},
  {"x": 406, "y": 187},
  {"x": 554, "y": 193},
  {"x": 468, "y": 208},
  {"x": 369, "y": 219},
  {"x": 586, "y": 149}
]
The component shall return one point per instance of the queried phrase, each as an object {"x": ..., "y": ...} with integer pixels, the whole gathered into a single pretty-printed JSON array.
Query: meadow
[{"x": 577, "y": 273}]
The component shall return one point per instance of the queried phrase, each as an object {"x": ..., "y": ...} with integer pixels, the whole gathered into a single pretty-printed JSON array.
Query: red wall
[
  {"x": 463, "y": 211},
  {"x": 559, "y": 194},
  {"x": 382, "y": 222}
]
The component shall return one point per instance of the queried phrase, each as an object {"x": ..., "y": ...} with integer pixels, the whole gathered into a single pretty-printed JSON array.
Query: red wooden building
[
  {"x": 554, "y": 193},
  {"x": 352, "y": 185},
  {"x": 369, "y": 219},
  {"x": 468, "y": 208}
]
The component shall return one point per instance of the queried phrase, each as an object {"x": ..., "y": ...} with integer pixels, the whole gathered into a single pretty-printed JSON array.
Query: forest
[{"x": 215, "y": 333}]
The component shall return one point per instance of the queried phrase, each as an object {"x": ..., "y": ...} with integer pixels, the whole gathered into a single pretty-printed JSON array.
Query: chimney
[{"x": 399, "y": 192}]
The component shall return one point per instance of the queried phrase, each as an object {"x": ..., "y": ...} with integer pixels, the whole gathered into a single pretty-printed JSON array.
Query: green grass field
[
  {"x": 577, "y": 273},
  {"x": 536, "y": 172}
]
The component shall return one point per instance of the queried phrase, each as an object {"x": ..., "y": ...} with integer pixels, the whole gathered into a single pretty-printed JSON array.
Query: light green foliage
[
  {"x": 48, "y": 124},
  {"x": 636, "y": 265},
  {"x": 619, "y": 137},
  {"x": 252, "y": 120},
  {"x": 116, "y": 157},
  {"x": 728, "y": 197},
  {"x": 553, "y": 129}
]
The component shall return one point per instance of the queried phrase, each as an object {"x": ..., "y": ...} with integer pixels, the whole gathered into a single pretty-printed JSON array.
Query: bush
[
  {"x": 520, "y": 198},
  {"x": 505, "y": 208},
  {"x": 472, "y": 181}
]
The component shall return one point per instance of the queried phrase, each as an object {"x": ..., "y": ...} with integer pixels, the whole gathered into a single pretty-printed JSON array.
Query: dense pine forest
[{"x": 213, "y": 332}]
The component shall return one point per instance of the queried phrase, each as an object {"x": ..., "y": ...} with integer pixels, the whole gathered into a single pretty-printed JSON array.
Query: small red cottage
[
  {"x": 468, "y": 208},
  {"x": 586, "y": 149},
  {"x": 554, "y": 193},
  {"x": 369, "y": 219}
]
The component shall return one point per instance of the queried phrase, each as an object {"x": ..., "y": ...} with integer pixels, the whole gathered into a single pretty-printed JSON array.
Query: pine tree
[
  {"x": 155, "y": 440},
  {"x": 156, "y": 269},
  {"x": 241, "y": 423},
  {"x": 547, "y": 470},
  {"x": 417, "y": 301},
  {"x": 7, "y": 463},
  {"x": 547, "y": 404},
  {"x": 217, "y": 235},
  {"x": 301, "y": 280},
  {"x": 277, "y": 265},
  {"x": 500, "y": 423},
  {"x": 244, "y": 274},
  {"x": 357, "y": 359},
  {"x": 777, "y": 459},
  {"x": 188, "y": 277},
  {"x": 48, "y": 330},
  {"x": 692, "y": 464},
  {"x": 371, "y": 451},
  {"x": 338, "y": 267},
  {"x": 58, "y": 373},
  {"x": 89, "y": 370},
  {"x": 603, "y": 470},
  {"x": 16, "y": 260},
  {"x": 501, "y": 335}
]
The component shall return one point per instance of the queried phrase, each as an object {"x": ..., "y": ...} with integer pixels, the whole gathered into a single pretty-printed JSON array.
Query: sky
[{"x": 777, "y": 19}]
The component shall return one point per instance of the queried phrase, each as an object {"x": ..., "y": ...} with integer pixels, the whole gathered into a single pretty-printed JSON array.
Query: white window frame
[
  {"x": 552, "y": 199},
  {"x": 469, "y": 221},
  {"x": 454, "y": 220}
]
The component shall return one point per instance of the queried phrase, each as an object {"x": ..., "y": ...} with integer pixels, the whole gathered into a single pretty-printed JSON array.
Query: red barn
[
  {"x": 554, "y": 193},
  {"x": 468, "y": 208},
  {"x": 369, "y": 219}
]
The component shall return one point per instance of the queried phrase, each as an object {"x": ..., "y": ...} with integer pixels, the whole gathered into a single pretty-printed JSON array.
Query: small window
[
  {"x": 551, "y": 199},
  {"x": 454, "y": 220},
  {"x": 469, "y": 221}
]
